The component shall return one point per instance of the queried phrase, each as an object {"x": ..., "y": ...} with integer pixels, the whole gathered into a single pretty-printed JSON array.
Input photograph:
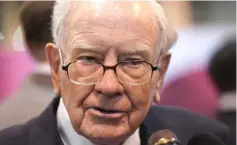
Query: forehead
[{"x": 112, "y": 23}]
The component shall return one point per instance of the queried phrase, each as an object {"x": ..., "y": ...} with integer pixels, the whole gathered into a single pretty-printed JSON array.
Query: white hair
[{"x": 62, "y": 8}]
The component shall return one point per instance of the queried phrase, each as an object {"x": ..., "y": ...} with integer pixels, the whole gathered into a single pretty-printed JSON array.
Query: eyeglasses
[{"x": 89, "y": 72}]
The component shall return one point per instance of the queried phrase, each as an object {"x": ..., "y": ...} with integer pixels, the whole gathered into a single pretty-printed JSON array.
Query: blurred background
[{"x": 202, "y": 72}]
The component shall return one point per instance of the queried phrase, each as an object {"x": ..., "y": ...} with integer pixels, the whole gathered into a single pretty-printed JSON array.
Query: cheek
[
  {"x": 140, "y": 96},
  {"x": 73, "y": 94},
  {"x": 73, "y": 97},
  {"x": 141, "y": 99}
]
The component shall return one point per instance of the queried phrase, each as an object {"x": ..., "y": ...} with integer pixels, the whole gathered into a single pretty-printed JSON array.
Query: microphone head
[
  {"x": 163, "y": 137},
  {"x": 205, "y": 139}
]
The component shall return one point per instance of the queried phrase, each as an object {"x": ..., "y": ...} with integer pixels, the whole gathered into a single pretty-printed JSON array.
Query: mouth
[{"x": 106, "y": 113}]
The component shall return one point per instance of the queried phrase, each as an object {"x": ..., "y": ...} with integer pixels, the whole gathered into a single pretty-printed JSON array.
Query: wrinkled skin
[{"x": 109, "y": 31}]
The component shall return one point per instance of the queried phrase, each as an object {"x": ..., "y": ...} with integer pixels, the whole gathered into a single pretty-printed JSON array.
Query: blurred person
[
  {"x": 106, "y": 62},
  {"x": 36, "y": 91},
  {"x": 12, "y": 62},
  {"x": 187, "y": 83},
  {"x": 222, "y": 69},
  {"x": 193, "y": 91}
]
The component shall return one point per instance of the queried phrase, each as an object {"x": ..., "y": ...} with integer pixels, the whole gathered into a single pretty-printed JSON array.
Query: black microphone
[
  {"x": 205, "y": 139},
  {"x": 163, "y": 137}
]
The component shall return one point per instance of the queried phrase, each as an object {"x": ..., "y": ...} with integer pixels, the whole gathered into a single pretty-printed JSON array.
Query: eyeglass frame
[{"x": 65, "y": 68}]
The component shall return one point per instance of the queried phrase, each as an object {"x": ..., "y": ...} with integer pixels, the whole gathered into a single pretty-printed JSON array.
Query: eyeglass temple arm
[{"x": 61, "y": 56}]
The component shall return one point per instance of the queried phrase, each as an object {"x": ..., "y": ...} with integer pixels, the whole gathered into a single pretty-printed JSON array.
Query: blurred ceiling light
[{"x": 18, "y": 42}]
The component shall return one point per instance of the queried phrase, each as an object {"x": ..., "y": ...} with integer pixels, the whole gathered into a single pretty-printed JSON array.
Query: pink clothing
[
  {"x": 194, "y": 91},
  {"x": 13, "y": 69}
]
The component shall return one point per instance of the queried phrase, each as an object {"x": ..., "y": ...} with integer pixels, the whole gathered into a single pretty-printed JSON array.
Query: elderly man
[{"x": 106, "y": 62}]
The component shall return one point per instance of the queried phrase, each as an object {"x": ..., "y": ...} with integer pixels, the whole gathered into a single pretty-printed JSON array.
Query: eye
[
  {"x": 132, "y": 63},
  {"x": 133, "y": 59},
  {"x": 88, "y": 58}
]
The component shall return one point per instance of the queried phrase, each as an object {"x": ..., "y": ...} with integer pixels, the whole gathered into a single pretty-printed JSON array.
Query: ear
[
  {"x": 52, "y": 54},
  {"x": 164, "y": 63}
]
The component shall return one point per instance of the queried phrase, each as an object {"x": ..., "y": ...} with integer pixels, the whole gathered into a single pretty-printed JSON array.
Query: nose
[{"x": 109, "y": 85}]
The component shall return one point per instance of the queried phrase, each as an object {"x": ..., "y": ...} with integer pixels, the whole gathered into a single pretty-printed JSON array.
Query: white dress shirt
[{"x": 70, "y": 137}]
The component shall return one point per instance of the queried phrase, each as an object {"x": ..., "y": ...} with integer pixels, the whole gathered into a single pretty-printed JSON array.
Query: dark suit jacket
[
  {"x": 43, "y": 129},
  {"x": 229, "y": 118}
]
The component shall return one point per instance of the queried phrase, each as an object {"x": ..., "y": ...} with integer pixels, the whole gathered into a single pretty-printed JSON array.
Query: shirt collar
[{"x": 70, "y": 137}]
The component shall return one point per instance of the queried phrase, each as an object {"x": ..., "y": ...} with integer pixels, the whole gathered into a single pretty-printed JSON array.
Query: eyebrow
[
  {"x": 133, "y": 51},
  {"x": 141, "y": 49},
  {"x": 136, "y": 48},
  {"x": 143, "y": 52},
  {"x": 85, "y": 46}
]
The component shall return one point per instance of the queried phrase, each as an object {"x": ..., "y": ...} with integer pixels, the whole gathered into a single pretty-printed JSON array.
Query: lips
[
  {"x": 103, "y": 113},
  {"x": 108, "y": 111}
]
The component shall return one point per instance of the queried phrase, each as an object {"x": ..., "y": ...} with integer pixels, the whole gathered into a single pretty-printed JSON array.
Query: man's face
[{"x": 109, "y": 32}]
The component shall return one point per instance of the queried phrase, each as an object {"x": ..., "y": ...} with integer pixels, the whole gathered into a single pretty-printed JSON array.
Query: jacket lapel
[
  {"x": 44, "y": 128},
  {"x": 150, "y": 125},
  {"x": 157, "y": 119}
]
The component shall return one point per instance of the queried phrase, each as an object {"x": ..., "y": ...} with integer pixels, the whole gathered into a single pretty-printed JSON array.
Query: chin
[{"x": 104, "y": 133}]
